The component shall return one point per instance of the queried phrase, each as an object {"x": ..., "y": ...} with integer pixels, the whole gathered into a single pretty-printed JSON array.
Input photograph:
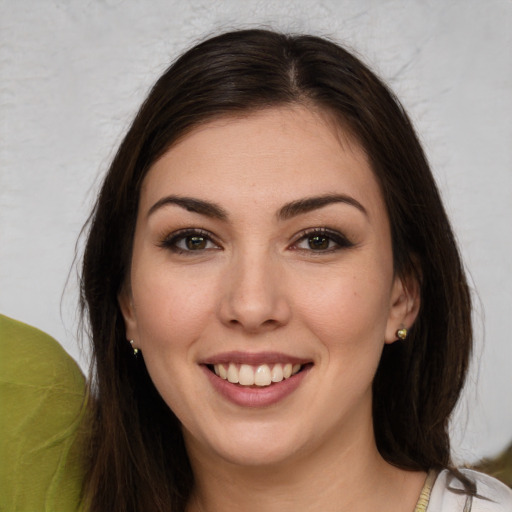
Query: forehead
[{"x": 270, "y": 156}]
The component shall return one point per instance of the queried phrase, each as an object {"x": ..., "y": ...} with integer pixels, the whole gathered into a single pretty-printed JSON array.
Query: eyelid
[
  {"x": 340, "y": 239},
  {"x": 170, "y": 241}
]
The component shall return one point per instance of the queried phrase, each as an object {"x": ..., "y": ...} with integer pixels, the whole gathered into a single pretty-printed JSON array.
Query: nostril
[{"x": 254, "y": 326}]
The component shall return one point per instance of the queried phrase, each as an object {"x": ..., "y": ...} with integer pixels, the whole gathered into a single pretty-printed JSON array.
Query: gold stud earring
[
  {"x": 135, "y": 350},
  {"x": 401, "y": 334}
]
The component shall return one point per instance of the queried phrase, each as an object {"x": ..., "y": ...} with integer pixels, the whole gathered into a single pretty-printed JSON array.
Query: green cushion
[{"x": 42, "y": 395}]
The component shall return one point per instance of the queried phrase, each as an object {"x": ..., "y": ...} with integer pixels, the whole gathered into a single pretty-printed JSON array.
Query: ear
[
  {"x": 404, "y": 306},
  {"x": 125, "y": 301}
]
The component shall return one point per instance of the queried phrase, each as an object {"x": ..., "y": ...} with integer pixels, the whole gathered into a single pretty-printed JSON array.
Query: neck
[{"x": 330, "y": 478}]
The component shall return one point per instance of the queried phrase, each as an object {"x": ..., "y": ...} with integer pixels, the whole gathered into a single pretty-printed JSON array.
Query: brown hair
[{"x": 138, "y": 459}]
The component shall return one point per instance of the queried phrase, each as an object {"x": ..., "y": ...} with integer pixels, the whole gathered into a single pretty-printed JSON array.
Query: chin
[
  {"x": 251, "y": 446},
  {"x": 251, "y": 457}
]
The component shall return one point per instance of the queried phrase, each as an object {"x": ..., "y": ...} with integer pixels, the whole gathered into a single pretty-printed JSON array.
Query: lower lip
[{"x": 256, "y": 396}]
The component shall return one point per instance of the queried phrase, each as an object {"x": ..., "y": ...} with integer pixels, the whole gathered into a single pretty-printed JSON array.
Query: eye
[
  {"x": 189, "y": 240},
  {"x": 321, "y": 240}
]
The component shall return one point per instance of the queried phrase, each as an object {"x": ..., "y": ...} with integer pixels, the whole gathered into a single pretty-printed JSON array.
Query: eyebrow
[
  {"x": 191, "y": 204},
  {"x": 289, "y": 210},
  {"x": 314, "y": 203}
]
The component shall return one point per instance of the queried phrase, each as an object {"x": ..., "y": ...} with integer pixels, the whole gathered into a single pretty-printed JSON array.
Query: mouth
[
  {"x": 256, "y": 375},
  {"x": 255, "y": 380}
]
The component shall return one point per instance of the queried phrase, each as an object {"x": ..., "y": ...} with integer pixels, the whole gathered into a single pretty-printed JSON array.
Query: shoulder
[
  {"x": 448, "y": 494},
  {"x": 25, "y": 349},
  {"x": 42, "y": 392}
]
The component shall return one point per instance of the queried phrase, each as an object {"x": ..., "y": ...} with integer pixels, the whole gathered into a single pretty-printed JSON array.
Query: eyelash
[
  {"x": 339, "y": 240},
  {"x": 172, "y": 241}
]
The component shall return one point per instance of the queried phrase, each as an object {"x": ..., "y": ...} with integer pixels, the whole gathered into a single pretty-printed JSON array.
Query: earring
[
  {"x": 401, "y": 334},
  {"x": 135, "y": 350}
]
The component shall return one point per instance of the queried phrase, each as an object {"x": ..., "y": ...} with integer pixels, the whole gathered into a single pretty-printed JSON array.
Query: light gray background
[{"x": 72, "y": 74}]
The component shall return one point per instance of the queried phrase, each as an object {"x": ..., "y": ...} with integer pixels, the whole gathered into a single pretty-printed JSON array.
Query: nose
[{"x": 254, "y": 296}]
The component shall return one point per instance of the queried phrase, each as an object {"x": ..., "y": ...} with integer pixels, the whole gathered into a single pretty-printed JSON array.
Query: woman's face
[{"x": 262, "y": 247}]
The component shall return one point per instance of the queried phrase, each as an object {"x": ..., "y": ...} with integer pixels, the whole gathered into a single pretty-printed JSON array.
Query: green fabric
[{"x": 42, "y": 394}]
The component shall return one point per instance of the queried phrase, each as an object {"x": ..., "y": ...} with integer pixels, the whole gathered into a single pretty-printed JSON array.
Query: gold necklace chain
[{"x": 421, "y": 504}]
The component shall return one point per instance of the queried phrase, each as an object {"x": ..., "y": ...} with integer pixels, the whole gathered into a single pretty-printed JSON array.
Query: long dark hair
[{"x": 138, "y": 460}]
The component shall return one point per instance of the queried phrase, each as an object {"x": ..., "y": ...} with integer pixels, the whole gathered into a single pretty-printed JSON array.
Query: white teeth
[
  {"x": 246, "y": 375},
  {"x": 262, "y": 375},
  {"x": 232, "y": 375},
  {"x": 223, "y": 373},
  {"x": 277, "y": 373}
]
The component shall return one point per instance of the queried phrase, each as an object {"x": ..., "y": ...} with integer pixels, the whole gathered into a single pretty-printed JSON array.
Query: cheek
[
  {"x": 170, "y": 309},
  {"x": 345, "y": 298},
  {"x": 171, "y": 314}
]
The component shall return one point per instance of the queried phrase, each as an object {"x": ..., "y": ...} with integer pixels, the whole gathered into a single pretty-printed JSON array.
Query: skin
[{"x": 258, "y": 283}]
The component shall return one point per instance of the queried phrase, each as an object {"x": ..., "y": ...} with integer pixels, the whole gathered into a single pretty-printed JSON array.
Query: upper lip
[{"x": 253, "y": 358}]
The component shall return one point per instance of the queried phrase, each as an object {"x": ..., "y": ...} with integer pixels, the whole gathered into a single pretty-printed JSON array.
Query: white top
[{"x": 492, "y": 495}]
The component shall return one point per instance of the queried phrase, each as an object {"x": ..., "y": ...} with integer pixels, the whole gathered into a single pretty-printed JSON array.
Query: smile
[
  {"x": 258, "y": 379},
  {"x": 256, "y": 375}
]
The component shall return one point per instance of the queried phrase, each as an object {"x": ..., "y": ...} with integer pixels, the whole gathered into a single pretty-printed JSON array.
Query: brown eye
[
  {"x": 318, "y": 242},
  {"x": 322, "y": 240},
  {"x": 189, "y": 240},
  {"x": 196, "y": 243}
]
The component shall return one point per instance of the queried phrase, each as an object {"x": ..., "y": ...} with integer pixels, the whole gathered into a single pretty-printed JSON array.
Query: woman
[{"x": 278, "y": 310}]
